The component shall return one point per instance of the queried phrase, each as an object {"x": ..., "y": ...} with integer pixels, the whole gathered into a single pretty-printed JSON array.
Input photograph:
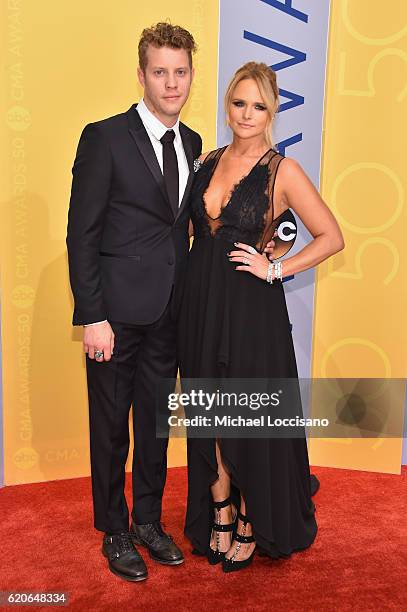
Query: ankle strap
[
  {"x": 221, "y": 504},
  {"x": 243, "y": 518},
  {"x": 243, "y": 539},
  {"x": 220, "y": 527}
]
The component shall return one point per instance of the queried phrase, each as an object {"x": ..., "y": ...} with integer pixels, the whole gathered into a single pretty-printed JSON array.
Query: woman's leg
[
  {"x": 221, "y": 488},
  {"x": 220, "y": 491},
  {"x": 239, "y": 550}
]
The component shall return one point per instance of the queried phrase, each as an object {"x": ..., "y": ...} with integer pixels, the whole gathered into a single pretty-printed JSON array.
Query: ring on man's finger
[{"x": 98, "y": 354}]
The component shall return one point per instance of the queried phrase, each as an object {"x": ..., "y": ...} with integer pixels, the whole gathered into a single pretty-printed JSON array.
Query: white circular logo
[{"x": 286, "y": 228}]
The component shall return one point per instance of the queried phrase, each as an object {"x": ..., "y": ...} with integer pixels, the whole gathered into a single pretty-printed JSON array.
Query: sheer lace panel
[{"x": 248, "y": 215}]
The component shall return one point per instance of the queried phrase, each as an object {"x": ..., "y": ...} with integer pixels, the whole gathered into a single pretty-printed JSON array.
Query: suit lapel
[
  {"x": 186, "y": 142},
  {"x": 143, "y": 142}
]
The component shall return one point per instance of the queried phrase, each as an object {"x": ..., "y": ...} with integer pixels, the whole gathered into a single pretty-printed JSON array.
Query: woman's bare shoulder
[
  {"x": 209, "y": 154},
  {"x": 289, "y": 167},
  {"x": 291, "y": 172}
]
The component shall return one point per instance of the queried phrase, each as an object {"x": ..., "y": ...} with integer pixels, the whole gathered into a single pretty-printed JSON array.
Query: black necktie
[{"x": 170, "y": 169}]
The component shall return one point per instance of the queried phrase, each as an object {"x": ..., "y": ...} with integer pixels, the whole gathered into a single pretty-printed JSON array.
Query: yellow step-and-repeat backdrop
[
  {"x": 70, "y": 63},
  {"x": 361, "y": 294},
  {"x": 67, "y": 64}
]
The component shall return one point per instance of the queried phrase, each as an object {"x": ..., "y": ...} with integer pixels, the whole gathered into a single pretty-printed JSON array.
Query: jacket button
[{"x": 170, "y": 261}]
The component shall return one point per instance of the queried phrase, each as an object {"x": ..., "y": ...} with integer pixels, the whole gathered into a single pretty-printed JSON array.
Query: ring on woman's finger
[{"x": 252, "y": 250}]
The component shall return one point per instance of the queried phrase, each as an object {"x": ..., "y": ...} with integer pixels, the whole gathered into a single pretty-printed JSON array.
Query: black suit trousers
[{"x": 143, "y": 355}]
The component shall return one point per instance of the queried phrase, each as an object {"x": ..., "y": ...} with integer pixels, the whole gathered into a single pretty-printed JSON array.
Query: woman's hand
[
  {"x": 253, "y": 262},
  {"x": 269, "y": 248}
]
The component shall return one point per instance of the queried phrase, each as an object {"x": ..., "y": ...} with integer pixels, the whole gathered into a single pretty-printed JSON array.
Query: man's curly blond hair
[{"x": 164, "y": 34}]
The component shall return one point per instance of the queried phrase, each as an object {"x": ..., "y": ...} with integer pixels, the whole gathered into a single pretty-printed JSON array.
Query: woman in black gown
[{"x": 247, "y": 492}]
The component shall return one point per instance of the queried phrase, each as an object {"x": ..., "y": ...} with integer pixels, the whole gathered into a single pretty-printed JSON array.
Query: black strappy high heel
[
  {"x": 216, "y": 556},
  {"x": 232, "y": 565}
]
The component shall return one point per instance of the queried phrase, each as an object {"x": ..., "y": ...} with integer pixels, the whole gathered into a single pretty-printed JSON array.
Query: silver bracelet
[
  {"x": 278, "y": 271},
  {"x": 269, "y": 278}
]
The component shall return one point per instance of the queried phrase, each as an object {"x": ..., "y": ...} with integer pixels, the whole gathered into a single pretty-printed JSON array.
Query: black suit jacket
[{"x": 126, "y": 249}]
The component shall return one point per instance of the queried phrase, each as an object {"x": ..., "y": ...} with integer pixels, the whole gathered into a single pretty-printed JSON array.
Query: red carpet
[{"x": 358, "y": 561}]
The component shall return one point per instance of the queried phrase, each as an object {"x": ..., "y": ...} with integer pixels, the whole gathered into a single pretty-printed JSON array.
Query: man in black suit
[{"x": 127, "y": 246}]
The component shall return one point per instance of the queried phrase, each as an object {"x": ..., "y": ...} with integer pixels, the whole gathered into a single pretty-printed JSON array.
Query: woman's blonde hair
[{"x": 266, "y": 81}]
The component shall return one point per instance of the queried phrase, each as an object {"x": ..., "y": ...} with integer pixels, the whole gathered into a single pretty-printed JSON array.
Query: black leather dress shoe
[
  {"x": 160, "y": 546},
  {"x": 123, "y": 557}
]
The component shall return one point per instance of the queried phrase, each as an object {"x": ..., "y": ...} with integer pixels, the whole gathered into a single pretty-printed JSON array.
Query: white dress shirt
[{"x": 156, "y": 130}]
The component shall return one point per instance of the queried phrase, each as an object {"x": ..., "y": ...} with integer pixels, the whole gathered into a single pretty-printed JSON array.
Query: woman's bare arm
[
  {"x": 293, "y": 189},
  {"x": 299, "y": 194}
]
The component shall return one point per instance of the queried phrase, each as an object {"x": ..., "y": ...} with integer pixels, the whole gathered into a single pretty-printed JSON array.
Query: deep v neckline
[{"x": 235, "y": 186}]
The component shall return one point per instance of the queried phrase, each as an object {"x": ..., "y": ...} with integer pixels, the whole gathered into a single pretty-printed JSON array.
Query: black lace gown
[{"x": 233, "y": 324}]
